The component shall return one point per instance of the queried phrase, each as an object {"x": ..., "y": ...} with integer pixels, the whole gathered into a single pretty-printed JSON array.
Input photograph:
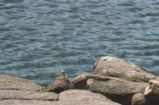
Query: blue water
[{"x": 38, "y": 38}]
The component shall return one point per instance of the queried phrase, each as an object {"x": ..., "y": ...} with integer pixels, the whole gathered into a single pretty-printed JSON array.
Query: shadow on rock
[{"x": 115, "y": 78}]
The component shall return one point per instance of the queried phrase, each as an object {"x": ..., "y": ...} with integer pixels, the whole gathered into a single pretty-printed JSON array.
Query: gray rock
[
  {"x": 85, "y": 96},
  {"x": 79, "y": 82},
  {"x": 27, "y": 102},
  {"x": 27, "y": 95},
  {"x": 116, "y": 67},
  {"x": 116, "y": 86},
  {"x": 35, "y": 102},
  {"x": 58, "y": 85},
  {"x": 14, "y": 83},
  {"x": 117, "y": 89},
  {"x": 115, "y": 78},
  {"x": 70, "y": 97},
  {"x": 138, "y": 99}
]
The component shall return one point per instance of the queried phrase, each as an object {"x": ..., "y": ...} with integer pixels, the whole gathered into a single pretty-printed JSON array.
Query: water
[{"x": 38, "y": 38}]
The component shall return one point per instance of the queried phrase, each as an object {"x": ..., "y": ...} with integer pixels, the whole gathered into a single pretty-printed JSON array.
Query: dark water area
[{"x": 38, "y": 38}]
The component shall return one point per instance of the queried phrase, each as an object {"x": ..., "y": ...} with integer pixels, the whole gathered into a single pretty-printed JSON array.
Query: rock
[
  {"x": 14, "y": 83},
  {"x": 152, "y": 88},
  {"x": 85, "y": 96},
  {"x": 19, "y": 91},
  {"x": 115, "y": 86},
  {"x": 117, "y": 89},
  {"x": 116, "y": 67},
  {"x": 115, "y": 78},
  {"x": 27, "y": 95},
  {"x": 112, "y": 77},
  {"x": 69, "y": 97},
  {"x": 58, "y": 85},
  {"x": 152, "y": 93},
  {"x": 138, "y": 99},
  {"x": 80, "y": 81},
  {"x": 27, "y": 102},
  {"x": 35, "y": 102}
]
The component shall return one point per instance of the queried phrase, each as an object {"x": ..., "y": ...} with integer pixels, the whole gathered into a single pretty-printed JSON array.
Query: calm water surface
[{"x": 38, "y": 38}]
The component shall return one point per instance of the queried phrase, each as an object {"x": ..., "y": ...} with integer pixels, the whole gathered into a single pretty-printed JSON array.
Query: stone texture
[
  {"x": 85, "y": 96},
  {"x": 58, "y": 85},
  {"x": 116, "y": 67},
  {"x": 116, "y": 86},
  {"x": 138, "y": 99},
  {"x": 14, "y": 83},
  {"x": 26, "y": 102},
  {"x": 80, "y": 81},
  {"x": 117, "y": 79},
  {"x": 19, "y": 91},
  {"x": 27, "y": 95},
  {"x": 35, "y": 102},
  {"x": 117, "y": 89},
  {"x": 70, "y": 97}
]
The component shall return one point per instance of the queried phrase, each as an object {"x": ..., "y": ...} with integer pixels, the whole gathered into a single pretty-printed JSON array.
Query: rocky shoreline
[{"x": 113, "y": 81}]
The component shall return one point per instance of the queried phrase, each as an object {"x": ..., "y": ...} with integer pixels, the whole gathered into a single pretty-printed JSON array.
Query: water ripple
[{"x": 39, "y": 38}]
